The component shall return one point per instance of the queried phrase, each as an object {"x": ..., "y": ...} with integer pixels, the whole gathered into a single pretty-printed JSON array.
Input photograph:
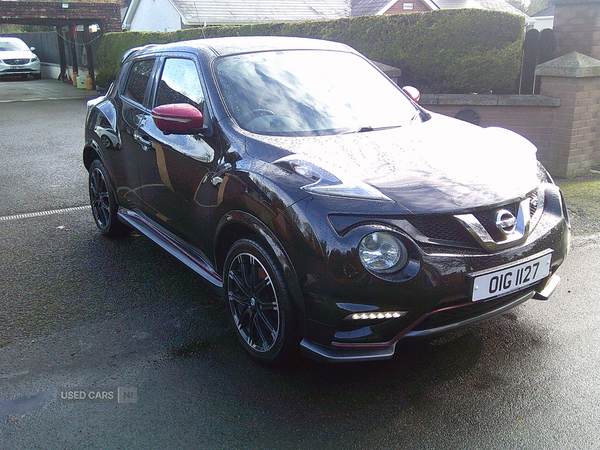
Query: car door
[
  {"x": 174, "y": 168},
  {"x": 131, "y": 111}
]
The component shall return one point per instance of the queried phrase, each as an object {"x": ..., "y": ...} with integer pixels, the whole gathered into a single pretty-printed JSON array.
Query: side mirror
[
  {"x": 32, "y": 49},
  {"x": 178, "y": 118},
  {"x": 413, "y": 93}
]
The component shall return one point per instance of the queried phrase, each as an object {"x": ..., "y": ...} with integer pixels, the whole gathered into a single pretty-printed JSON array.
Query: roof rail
[{"x": 129, "y": 52}]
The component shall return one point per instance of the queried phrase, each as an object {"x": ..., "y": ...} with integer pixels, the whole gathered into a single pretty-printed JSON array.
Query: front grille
[
  {"x": 533, "y": 202},
  {"x": 440, "y": 227},
  {"x": 444, "y": 228},
  {"x": 16, "y": 62}
]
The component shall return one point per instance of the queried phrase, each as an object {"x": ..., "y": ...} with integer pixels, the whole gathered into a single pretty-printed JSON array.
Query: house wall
[
  {"x": 155, "y": 15},
  {"x": 404, "y": 7},
  {"x": 541, "y": 23}
]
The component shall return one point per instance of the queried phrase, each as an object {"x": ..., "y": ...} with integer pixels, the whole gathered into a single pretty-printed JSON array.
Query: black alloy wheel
[
  {"x": 259, "y": 303},
  {"x": 102, "y": 200}
]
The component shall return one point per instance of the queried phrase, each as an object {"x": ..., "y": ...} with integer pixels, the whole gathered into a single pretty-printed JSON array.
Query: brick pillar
[
  {"x": 577, "y": 27},
  {"x": 574, "y": 141}
]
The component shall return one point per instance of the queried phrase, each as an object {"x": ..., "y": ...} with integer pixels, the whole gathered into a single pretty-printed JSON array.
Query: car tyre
[
  {"x": 103, "y": 202},
  {"x": 259, "y": 302}
]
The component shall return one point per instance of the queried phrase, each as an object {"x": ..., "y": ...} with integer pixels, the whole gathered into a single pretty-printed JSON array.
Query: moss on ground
[{"x": 582, "y": 196}]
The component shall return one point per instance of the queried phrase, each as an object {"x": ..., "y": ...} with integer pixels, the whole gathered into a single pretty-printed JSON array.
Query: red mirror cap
[
  {"x": 178, "y": 118},
  {"x": 413, "y": 93}
]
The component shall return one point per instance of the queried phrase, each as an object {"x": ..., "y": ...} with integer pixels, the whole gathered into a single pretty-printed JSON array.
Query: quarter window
[
  {"x": 137, "y": 84},
  {"x": 180, "y": 83}
]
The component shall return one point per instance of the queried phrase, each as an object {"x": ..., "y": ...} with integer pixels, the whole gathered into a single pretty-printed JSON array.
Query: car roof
[{"x": 225, "y": 46}]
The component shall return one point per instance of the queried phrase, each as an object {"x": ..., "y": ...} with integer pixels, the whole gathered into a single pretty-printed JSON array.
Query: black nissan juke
[{"x": 332, "y": 212}]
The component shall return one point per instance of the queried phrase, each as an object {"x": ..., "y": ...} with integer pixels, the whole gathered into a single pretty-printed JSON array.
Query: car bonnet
[
  {"x": 439, "y": 165},
  {"x": 16, "y": 54}
]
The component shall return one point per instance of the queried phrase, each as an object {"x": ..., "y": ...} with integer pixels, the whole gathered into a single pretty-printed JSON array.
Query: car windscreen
[
  {"x": 13, "y": 45},
  {"x": 305, "y": 92}
]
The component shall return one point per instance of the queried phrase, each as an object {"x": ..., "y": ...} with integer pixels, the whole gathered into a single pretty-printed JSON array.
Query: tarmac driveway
[
  {"x": 32, "y": 90},
  {"x": 81, "y": 311}
]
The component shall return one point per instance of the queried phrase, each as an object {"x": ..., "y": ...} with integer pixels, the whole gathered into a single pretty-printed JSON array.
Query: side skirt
[{"x": 184, "y": 252}]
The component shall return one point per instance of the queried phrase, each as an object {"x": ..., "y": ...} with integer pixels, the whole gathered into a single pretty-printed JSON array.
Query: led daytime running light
[{"x": 378, "y": 315}]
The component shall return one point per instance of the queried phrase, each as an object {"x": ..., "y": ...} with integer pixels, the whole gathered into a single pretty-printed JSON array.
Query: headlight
[
  {"x": 326, "y": 182},
  {"x": 543, "y": 175},
  {"x": 35, "y": 59},
  {"x": 381, "y": 252}
]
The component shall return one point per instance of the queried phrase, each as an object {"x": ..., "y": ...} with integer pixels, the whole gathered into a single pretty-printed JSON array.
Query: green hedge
[{"x": 450, "y": 51}]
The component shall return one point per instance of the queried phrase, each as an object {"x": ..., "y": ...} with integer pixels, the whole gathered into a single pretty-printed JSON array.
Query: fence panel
[
  {"x": 46, "y": 47},
  {"x": 537, "y": 49}
]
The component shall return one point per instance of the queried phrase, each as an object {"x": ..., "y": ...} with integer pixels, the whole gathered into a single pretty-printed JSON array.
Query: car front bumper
[
  {"x": 33, "y": 68},
  {"x": 436, "y": 299},
  {"x": 384, "y": 351}
]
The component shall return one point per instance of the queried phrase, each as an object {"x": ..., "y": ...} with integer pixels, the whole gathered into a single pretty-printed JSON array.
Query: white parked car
[{"x": 17, "y": 59}]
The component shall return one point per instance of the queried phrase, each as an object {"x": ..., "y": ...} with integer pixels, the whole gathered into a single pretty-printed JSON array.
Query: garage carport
[{"x": 66, "y": 17}]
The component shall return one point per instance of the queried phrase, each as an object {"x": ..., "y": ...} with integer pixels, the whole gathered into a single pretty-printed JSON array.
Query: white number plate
[
  {"x": 18, "y": 67},
  {"x": 513, "y": 278}
]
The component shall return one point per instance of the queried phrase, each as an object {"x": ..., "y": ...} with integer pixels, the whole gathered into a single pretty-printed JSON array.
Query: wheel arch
[
  {"x": 91, "y": 152},
  {"x": 237, "y": 225}
]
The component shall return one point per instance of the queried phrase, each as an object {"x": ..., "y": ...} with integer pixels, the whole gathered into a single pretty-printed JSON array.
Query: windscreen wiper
[{"x": 364, "y": 129}]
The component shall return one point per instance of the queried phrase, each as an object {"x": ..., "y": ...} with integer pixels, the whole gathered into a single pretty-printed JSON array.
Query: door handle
[{"x": 144, "y": 142}]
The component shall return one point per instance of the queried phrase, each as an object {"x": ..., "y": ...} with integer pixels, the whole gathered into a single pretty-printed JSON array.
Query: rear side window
[
  {"x": 180, "y": 83},
  {"x": 139, "y": 76}
]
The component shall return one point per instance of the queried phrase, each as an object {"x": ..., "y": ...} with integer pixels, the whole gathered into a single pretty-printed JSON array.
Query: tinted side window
[
  {"x": 138, "y": 80},
  {"x": 180, "y": 83}
]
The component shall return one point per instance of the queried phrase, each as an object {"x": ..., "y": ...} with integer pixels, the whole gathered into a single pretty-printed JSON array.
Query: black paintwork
[{"x": 202, "y": 192}]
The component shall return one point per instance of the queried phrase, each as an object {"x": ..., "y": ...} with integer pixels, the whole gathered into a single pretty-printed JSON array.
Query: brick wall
[
  {"x": 577, "y": 27},
  {"x": 528, "y": 115},
  {"x": 107, "y": 15},
  {"x": 575, "y": 138},
  {"x": 563, "y": 122}
]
